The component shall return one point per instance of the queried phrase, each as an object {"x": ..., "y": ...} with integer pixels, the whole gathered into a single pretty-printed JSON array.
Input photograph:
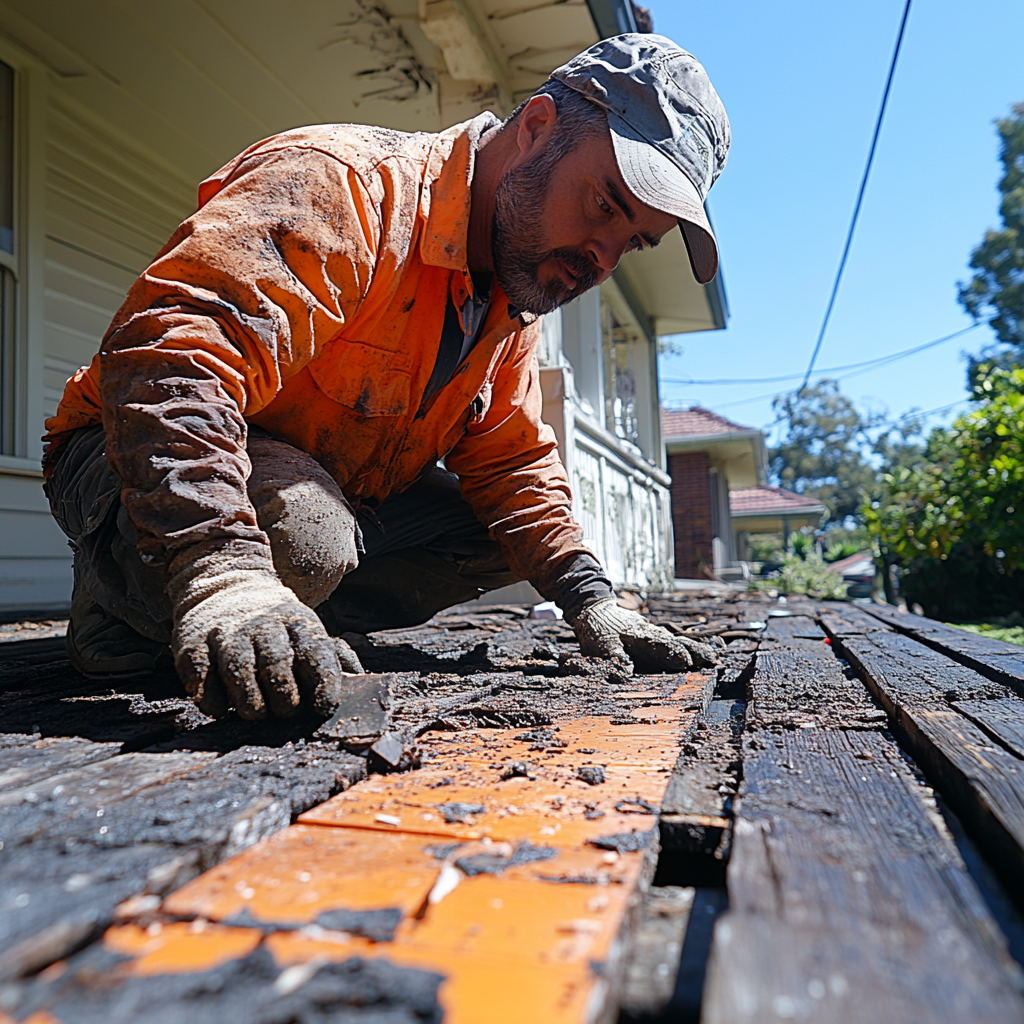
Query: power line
[
  {"x": 870, "y": 364},
  {"x": 860, "y": 196}
]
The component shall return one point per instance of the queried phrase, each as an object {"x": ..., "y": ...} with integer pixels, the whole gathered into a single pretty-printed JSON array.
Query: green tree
[
  {"x": 996, "y": 292},
  {"x": 823, "y": 452},
  {"x": 951, "y": 519}
]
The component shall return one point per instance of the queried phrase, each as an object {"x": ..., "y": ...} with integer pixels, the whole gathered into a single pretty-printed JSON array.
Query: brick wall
[{"x": 691, "y": 514}]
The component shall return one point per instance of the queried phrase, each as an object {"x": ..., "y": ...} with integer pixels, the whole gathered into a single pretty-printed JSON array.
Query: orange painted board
[
  {"x": 478, "y": 986},
  {"x": 301, "y": 871},
  {"x": 178, "y": 948},
  {"x": 645, "y": 744},
  {"x": 298, "y": 873},
  {"x": 551, "y": 804}
]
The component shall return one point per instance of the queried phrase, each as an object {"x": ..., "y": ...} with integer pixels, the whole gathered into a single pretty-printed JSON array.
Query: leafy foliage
[
  {"x": 822, "y": 453},
  {"x": 809, "y": 576},
  {"x": 842, "y": 548},
  {"x": 996, "y": 292},
  {"x": 959, "y": 504},
  {"x": 968, "y": 486}
]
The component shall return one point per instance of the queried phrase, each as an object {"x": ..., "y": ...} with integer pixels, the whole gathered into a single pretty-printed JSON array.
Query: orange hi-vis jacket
[{"x": 307, "y": 295}]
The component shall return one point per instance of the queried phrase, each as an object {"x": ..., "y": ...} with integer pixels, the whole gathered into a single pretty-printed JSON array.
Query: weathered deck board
[
  {"x": 997, "y": 659},
  {"x": 697, "y": 809},
  {"x": 848, "y": 900},
  {"x": 981, "y": 778},
  {"x": 26, "y": 759},
  {"x": 846, "y": 903},
  {"x": 843, "y": 873}
]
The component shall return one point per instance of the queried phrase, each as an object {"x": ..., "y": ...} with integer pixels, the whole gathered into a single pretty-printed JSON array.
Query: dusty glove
[
  {"x": 242, "y": 638},
  {"x": 605, "y": 630}
]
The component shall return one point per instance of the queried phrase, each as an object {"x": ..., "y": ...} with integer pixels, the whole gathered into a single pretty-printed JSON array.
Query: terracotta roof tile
[
  {"x": 696, "y": 422},
  {"x": 769, "y": 500}
]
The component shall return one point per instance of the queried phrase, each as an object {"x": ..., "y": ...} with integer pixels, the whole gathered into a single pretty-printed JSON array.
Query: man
[{"x": 261, "y": 431}]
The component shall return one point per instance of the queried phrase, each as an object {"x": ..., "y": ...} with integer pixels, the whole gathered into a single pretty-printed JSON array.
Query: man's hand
[
  {"x": 242, "y": 638},
  {"x": 605, "y": 630}
]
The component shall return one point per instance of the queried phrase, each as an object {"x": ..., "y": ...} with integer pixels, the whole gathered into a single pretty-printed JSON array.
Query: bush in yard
[{"x": 953, "y": 521}]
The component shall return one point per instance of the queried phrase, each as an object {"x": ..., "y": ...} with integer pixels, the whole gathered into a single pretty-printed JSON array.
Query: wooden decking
[{"x": 830, "y": 827}]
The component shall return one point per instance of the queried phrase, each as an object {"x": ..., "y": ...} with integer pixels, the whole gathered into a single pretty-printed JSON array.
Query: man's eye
[{"x": 603, "y": 203}]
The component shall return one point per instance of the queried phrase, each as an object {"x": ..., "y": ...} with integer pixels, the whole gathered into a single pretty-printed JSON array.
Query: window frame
[{"x": 26, "y": 263}]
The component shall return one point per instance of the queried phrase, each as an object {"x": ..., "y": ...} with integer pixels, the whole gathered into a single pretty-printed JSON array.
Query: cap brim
[{"x": 658, "y": 182}]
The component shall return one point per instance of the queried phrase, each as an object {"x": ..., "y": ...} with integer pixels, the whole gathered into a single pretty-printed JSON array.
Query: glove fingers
[
  {"x": 274, "y": 660},
  {"x": 213, "y": 700},
  {"x": 652, "y": 652},
  {"x": 236, "y": 663},
  {"x": 202, "y": 683},
  {"x": 705, "y": 655},
  {"x": 317, "y": 665},
  {"x": 606, "y": 645},
  {"x": 347, "y": 658}
]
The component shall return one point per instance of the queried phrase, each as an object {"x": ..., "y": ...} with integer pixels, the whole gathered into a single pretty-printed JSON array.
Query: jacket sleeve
[
  {"x": 243, "y": 295},
  {"x": 510, "y": 473}
]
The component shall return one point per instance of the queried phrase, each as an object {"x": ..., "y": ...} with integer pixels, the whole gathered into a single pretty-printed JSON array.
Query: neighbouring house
[
  {"x": 708, "y": 457},
  {"x": 110, "y": 115},
  {"x": 769, "y": 510}
]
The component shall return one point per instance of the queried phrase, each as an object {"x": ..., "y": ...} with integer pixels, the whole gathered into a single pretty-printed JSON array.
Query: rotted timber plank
[
  {"x": 996, "y": 659},
  {"x": 28, "y": 759},
  {"x": 800, "y": 684},
  {"x": 954, "y": 722},
  {"x": 848, "y": 899},
  {"x": 79, "y": 843},
  {"x": 512, "y": 865}
]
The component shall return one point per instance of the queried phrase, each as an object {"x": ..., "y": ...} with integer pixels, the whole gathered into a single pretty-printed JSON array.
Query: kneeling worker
[{"x": 261, "y": 431}]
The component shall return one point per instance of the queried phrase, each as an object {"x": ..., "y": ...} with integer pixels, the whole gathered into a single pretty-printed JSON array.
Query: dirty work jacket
[{"x": 307, "y": 295}]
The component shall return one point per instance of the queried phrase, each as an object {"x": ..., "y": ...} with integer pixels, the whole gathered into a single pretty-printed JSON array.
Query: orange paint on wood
[
  {"x": 179, "y": 948},
  {"x": 518, "y": 945}
]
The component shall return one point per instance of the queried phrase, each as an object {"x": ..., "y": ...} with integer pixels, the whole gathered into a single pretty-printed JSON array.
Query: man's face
[{"x": 561, "y": 226}]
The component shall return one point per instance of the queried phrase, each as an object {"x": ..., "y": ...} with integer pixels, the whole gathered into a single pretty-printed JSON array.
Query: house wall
[
  {"x": 620, "y": 499},
  {"x": 105, "y": 211},
  {"x": 691, "y": 497}
]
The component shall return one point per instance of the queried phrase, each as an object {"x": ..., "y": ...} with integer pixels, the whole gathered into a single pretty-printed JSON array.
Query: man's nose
[{"x": 605, "y": 254}]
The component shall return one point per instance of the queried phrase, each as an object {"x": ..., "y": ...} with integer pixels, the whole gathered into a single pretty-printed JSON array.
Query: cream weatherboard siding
[{"x": 107, "y": 210}]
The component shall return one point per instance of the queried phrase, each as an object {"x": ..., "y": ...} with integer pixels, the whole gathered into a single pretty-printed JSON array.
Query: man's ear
[{"x": 535, "y": 126}]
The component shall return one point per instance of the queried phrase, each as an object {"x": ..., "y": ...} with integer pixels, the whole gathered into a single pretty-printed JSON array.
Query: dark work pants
[{"x": 419, "y": 552}]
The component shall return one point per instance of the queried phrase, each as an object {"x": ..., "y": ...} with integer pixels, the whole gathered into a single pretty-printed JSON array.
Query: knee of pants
[{"x": 312, "y": 528}]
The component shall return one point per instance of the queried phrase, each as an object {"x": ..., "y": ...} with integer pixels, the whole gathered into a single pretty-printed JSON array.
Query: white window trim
[{"x": 27, "y": 261}]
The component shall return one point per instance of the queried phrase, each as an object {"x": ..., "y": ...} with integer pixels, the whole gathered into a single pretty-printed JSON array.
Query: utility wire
[
  {"x": 892, "y": 357},
  {"x": 860, "y": 197}
]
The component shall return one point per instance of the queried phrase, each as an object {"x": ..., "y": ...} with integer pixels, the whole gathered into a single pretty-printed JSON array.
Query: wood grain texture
[
  {"x": 848, "y": 899},
  {"x": 997, "y": 659},
  {"x": 847, "y": 903},
  {"x": 798, "y": 682},
  {"x": 964, "y": 754}
]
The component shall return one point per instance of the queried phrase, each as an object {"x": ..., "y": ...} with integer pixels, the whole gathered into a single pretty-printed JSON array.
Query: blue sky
[{"x": 801, "y": 81}]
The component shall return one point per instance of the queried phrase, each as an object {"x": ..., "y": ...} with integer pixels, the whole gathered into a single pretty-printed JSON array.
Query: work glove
[
  {"x": 605, "y": 630},
  {"x": 242, "y": 638}
]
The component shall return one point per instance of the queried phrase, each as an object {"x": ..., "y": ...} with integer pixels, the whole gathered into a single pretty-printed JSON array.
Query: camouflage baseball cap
[{"x": 669, "y": 128}]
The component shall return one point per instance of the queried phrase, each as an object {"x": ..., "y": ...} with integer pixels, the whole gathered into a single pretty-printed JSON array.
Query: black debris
[{"x": 592, "y": 774}]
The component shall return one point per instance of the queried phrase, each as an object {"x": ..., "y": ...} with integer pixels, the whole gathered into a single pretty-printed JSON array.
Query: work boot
[{"x": 101, "y": 646}]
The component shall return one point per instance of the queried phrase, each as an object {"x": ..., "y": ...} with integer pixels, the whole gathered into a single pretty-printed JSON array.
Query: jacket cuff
[{"x": 580, "y": 584}]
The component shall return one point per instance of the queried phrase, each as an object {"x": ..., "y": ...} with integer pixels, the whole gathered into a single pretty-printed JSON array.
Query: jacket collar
[
  {"x": 446, "y": 201},
  {"x": 446, "y": 196}
]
